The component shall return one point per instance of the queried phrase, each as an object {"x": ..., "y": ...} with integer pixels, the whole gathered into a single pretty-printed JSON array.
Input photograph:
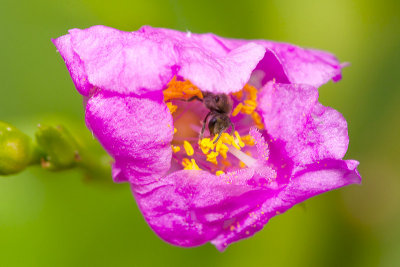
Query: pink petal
[
  {"x": 287, "y": 63},
  {"x": 146, "y": 60},
  {"x": 137, "y": 132},
  {"x": 309, "y": 131},
  {"x": 74, "y": 64},
  {"x": 314, "y": 179},
  {"x": 190, "y": 208}
]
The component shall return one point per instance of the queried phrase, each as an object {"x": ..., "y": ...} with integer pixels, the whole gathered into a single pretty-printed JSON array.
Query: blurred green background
[{"x": 60, "y": 219}]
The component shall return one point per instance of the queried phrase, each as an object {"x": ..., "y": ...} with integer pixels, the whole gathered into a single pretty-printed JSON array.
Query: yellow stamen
[
  {"x": 251, "y": 92},
  {"x": 257, "y": 120},
  {"x": 218, "y": 173},
  {"x": 212, "y": 157},
  {"x": 237, "y": 109},
  {"x": 181, "y": 90},
  {"x": 190, "y": 164},
  {"x": 238, "y": 95},
  {"x": 175, "y": 130},
  {"x": 226, "y": 138},
  {"x": 206, "y": 145},
  {"x": 248, "y": 109},
  {"x": 175, "y": 149},
  {"x": 172, "y": 108},
  {"x": 236, "y": 145},
  {"x": 250, "y": 103},
  {"x": 248, "y": 140},
  {"x": 188, "y": 148},
  {"x": 241, "y": 144}
]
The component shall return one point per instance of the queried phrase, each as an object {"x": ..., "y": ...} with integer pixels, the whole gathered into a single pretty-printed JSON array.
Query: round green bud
[
  {"x": 59, "y": 146},
  {"x": 16, "y": 149}
]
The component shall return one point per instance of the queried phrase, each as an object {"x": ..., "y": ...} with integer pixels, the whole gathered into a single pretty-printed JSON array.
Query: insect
[{"x": 220, "y": 107}]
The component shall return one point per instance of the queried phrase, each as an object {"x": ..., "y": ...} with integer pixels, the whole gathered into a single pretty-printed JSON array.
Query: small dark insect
[{"x": 220, "y": 107}]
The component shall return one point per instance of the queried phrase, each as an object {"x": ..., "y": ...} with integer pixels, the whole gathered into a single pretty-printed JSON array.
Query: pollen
[
  {"x": 257, "y": 120},
  {"x": 190, "y": 164},
  {"x": 175, "y": 149},
  {"x": 206, "y": 145},
  {"x": 252, "y": 92},
  {"x": 248, "y": 140},
  {"x": 241, "y": 144},
  {"x": 218, "y": 173},
  {"x": 212, "y": 157},
  {"x": 181, "y": 90},
  {"x": 249, "y": 104},
  {"x": 237, "y": 109},
  {"x": 222, "y": 149},
  {"x": 188, "y": 148},
  {"x": 238, "y": 95},
  {"x": 172, "y": 108}
]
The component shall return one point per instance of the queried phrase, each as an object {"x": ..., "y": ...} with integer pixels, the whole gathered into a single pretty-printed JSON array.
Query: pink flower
[{"x": 189, "y": 191}]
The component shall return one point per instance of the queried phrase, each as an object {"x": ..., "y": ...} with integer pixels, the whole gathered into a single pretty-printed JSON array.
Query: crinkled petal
[
  {"x": 137, "y": 132},
  {"x": 74, "y": 64},
  {"x": 146, "y": 60},
  {"x": 189, "y": 208},
  {"x": 295, "y": 64},
  {"x": 310, "y": 131},
  {"x": 314, "y": 179}
]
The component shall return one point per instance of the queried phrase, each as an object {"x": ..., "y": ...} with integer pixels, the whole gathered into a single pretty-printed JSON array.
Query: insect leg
[
  {"x": 204, "y": 125},
  {"x": 219, "y": 135},
  {"x": 232, "y": 129}
]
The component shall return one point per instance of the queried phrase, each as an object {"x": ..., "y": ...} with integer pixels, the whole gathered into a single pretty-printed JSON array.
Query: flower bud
[
  {"x": 16, "y": 149},
  {"x": 59, "y": 146}
]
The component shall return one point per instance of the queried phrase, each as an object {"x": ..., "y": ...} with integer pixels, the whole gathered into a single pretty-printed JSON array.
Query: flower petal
[
  {"x": 288, "y": 63},
  {"x": 314, "y": 179},
  {"x": 146, "y": 60},
  {"x": 137, "y": 132},
  {"x": 74, "y": 64},
  {"x": 310, "y": 131},
  {"x": 189, "y": 208}
]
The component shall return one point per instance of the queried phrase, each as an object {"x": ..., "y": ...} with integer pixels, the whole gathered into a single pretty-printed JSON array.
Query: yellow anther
[
  {"x": 206, "y": 145},
  {"x": 188, "y": 148},
  {"x": 238, "y": 95},
  {"x": 218, "y": 173},
  {"x": 181, "y": 89},
  {"x": 248, "y": 109},
  {"x": 248, "y": 140},
  {"x": 240, "y": 142},
  {"x": 235, "y": 145},
  {"x": 175, "y": 130},
  {"x": 190, "y": 164},
  {"x": 223, "y": 150},
  {"x": 172, "y": 108},
  {"x": 212, "y": 157},
  {"x": 251, "y": 92},
  {"x": 175, "y": 149},
  {"x": 257, "y": 120},
  {"x": 237, "y": 109},
  {"x": 226, "y": 138},
  {"x": 250, "y": 103}
]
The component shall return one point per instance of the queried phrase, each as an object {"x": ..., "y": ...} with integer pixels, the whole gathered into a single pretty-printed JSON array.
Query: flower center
[{"x": 193, "y": 112}]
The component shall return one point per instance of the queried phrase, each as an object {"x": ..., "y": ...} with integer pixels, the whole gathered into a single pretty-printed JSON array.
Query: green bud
[
  {"x": 59, "y": 146},
  {"x": 16, "y": 149}
]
